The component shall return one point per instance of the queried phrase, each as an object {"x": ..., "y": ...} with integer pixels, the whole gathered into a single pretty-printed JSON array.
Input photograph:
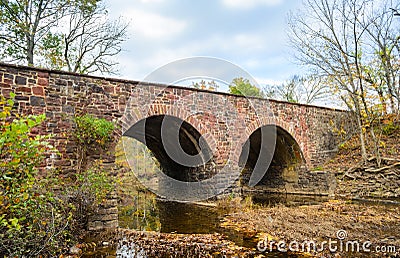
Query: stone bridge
[{"x": 194, "y": 134}]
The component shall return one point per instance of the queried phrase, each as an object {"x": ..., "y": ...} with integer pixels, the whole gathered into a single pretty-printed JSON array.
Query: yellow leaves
[
  {"x": 16, "y": 160},
  {"x": 25, "y": 196},
  {"x": 364, "y": 130},
  {"x": 266, "y": 236}
]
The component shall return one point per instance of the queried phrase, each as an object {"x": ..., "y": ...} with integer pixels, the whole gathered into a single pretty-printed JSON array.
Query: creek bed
[{"x": 195, "y": 230}]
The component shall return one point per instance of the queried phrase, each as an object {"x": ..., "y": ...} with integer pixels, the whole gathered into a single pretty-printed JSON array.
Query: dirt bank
[{"x": 356, "y": 222}]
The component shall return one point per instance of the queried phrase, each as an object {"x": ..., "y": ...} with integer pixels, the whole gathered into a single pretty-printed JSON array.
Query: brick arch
[
  {"x": 288, "y": 127},
  {"x": 135, "y": 115},
  {"x": 301, "y": 141}
]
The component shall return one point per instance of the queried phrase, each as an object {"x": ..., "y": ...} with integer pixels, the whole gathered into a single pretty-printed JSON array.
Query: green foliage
[
  {"x": 51, "y": 49},
  {"x": 92, "y": 135},
  {"x": 30, "y": 33},
  {"x": 94, "y": 182},
  {"x": 92, "y": 131},
  {"x": 30, "y": 216},
  {"x": 86, "y": 192},
  {"x": 20, "y": 154},
  {"x": 243, "y": 87},
  {"x": 42, "y": 213},
  {"x": 390, "y": 128}
]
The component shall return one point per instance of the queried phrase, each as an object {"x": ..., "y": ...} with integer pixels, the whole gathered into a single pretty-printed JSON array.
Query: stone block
[
  {"x": 38, "y": 91},
  {"x": 37, "y": 101},
  {"x": 19, "y": 80},
  {"x": 95, "y": 225},
  {"x": 113, "y": 210},
  {"x": 111, "y": 224}
]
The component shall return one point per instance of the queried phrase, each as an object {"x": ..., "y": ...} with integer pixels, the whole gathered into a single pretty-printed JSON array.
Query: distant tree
[
  {"x": 243, "y": 87},
  {"x": 61, "y": 34},
  {"x": 299, "y": 89},
  {"x": 205, "y": 85}
]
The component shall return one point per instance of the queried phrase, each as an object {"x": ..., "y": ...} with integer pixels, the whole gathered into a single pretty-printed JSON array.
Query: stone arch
[
  {"x": 301, "y": 140},
  {"x": 180, "y": 149},
  {"x": 290, "y": 127},
  {"x": 272, "y": 157},
  {"x": 136, "y": 114}
]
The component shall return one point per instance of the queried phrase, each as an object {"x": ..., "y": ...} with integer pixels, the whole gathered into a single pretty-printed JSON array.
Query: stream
[{"x": 147, "y": 213}]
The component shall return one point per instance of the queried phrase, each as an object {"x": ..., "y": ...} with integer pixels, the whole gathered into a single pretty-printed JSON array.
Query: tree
[
  {"x": 243, "y": 87},
  {"x": 334, "y": 38},
  {"x": 383, "y": 70},
  {"x": 90, "y": 42},
  {"x": 60, "y": 34},
  {"x": 25, "y": 23},
  {"x": 212, "y": 85},
  {"x": 299, "y": 89}
]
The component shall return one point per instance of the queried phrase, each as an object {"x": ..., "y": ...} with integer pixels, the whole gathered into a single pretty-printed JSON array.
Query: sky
[{"x": 248, "y": 33}]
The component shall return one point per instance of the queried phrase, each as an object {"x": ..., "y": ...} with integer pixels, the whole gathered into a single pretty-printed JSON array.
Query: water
[{"x": 146, "y": 213}]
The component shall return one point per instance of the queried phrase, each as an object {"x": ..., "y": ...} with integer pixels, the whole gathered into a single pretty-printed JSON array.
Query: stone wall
[
  {"x": 106, "y": 215},
  {"x": 362, "y": 183}
]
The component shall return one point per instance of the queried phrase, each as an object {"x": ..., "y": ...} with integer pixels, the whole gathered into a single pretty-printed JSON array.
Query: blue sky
[{"x": 248, "y": 33}]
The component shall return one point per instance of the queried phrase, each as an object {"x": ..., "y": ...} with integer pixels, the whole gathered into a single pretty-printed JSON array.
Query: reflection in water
[
  {"x": 141, "y": 214},
  {"x": 148, "y": 213},
  {"x": 188, "y": 218}
]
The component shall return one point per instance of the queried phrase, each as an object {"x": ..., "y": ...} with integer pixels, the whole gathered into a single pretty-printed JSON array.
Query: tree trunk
[
  {"x": 376, "y": 147},
  {"x": 361, "y": 131},
  {"x": 29, "y": 50}
]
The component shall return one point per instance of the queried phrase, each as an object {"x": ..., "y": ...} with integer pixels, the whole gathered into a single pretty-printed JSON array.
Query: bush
[
  {"x": 91, "y": 135},
  {"x": 32, "y": 221},
  {"x": 88, "y": 191},
  {"x": 390, "y": 128},
  {"x": 42, "y": 215}
]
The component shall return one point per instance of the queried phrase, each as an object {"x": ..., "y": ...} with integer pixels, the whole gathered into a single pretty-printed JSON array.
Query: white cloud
[
  {"x": 252, "y": 42},
  {"x": 154, "y": 26},
  {"x": 266, "y": 81},
  {"x": 248, "y": 4},
  {"x": 152, "y": 1},
  {"x": 243, "y": 43}
]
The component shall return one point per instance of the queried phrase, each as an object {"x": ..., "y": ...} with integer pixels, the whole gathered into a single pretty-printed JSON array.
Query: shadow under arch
[
  {"x": 181, "y": 151},
  {"x": 285, "y": 165}
]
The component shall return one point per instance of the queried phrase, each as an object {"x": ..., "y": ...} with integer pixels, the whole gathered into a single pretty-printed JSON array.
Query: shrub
[
  {"x": 88, "y": 191},
  {"x": 42, "y": 215},
  {"x": 91, "y": 135},
  {"x": 32, "y": 221}
]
